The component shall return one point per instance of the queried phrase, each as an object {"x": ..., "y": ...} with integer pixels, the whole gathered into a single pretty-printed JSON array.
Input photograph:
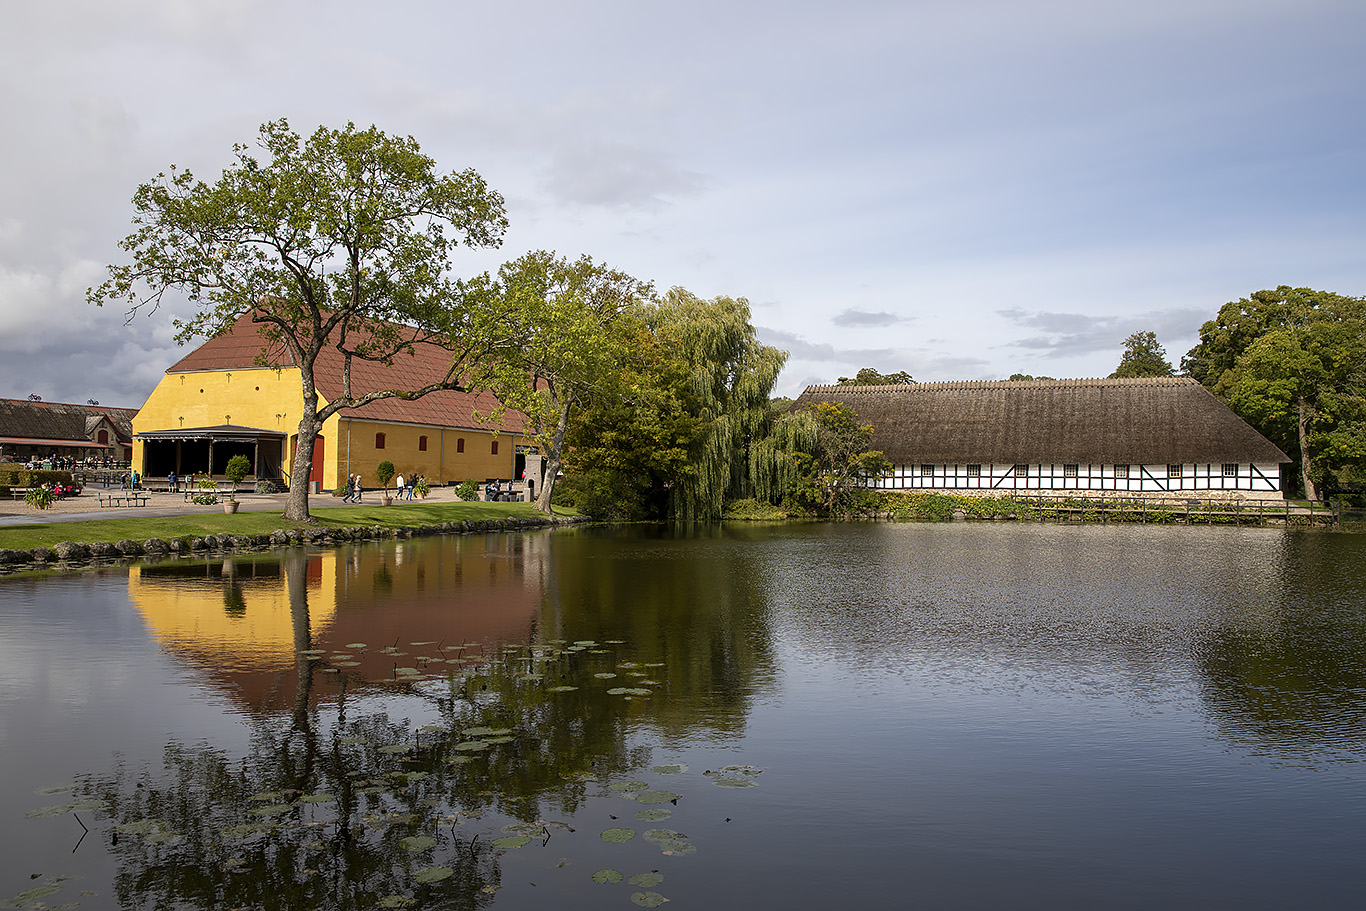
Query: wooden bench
[{"x": 123, "y": 498}]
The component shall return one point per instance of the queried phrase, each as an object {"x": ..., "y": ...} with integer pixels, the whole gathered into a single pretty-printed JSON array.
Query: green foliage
[
  {"x": 1292, "y": 362},
  {"x": 570, "y": 328},
  {"x": 343, "y": 239},
  {"x": 819, "y": 458},
  {"x": 607, "y": 494},
  {"x": 384, "y": 473},
  {"x": 39, "y": 498},
  {"x": 15, "y": 475},
  {"x": 1028, "y": 376},
  {"x": 725, "y": 392},
  {"x": 467, "y": 490},
  {"x": 871, "y": 377},
  {"x": 753, "y": 510},
  {"x": 422, "y": 488},
  {"x": 238, "y": 467},
  {"x": 1143, "y": 356}
]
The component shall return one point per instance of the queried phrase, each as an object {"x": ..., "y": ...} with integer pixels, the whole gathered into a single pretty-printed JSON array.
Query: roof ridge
[{"x": 1079, "y": 382}]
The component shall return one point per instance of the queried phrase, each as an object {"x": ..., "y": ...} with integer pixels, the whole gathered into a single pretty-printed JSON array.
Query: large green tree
[
  {"x": 831, "y": 453},
  {"x": 1143, "y": 356},
  {"x": 1292, "y": 362},
  {"x": 570, "y": 331},
  {"x": 726, "y": 388},
  {"x": 343, "y": 239}
]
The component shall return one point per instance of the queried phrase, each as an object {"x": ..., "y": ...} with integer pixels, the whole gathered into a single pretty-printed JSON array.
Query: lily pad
[
  {"x": 653, "y": 878},
  {"x": 732, "y": 782},
  {"x": 274, "y": 809},
  {"x": 394, "y": 749},
  {"x": 605, "y": 675},
  {"x": 648, "y": 899},
  {"x": 561, "y": 689},
  {"x": 31, "y": 895},
  {"x": 607, "y": 876},
  {"x": 508, "y": 842},
  {"x": 487, "y": 732},
  {"x": 618, "y": 835},
  {"x": 433, "y": 874},
  {"x": 397, "y": 901},
  {"x": 55, "y": 789},
  {"x": 355, "y": 645},
  {"x": 649, "y": 797},
  {"x": 407, "y": 672},
  {"x": 629, "y": 691},
  {"x": 656, "y": 815},
  {"x": 471, "y": 745},
  {"x": 677, "y": 768}
]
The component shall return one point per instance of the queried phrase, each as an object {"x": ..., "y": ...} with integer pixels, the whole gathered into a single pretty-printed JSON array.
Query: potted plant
[
  {"x": 384, "y": 473},
  {"x": 207, "y": 495},
  {"x": 237, "y": 468},
  {"x": 422, "y": 488}
]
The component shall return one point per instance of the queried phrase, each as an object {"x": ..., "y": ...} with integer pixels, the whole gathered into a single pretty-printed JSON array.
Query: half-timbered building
[{"x": 1152, "y": 435}]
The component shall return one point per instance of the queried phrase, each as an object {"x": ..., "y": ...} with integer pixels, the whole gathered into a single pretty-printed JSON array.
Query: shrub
[
  {"x": 384, "y": 473},
  {"x": 467, "y": 489},
  {"x": 39, "y": 498}
]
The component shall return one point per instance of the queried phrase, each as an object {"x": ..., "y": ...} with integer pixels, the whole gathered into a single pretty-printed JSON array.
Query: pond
[{"x": 811, "y": 716}]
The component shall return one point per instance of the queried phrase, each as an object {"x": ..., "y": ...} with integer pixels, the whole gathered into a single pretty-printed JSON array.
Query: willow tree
[
  {"x": 341, "y": 240},
  {"x": 729, "y": 377}
]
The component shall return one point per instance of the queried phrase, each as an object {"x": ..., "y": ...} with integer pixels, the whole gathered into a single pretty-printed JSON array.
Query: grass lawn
[{"x": 27, "y": 537}]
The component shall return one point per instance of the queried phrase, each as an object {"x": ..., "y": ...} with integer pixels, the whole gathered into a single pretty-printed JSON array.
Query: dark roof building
[
  {"x": 35, "y": 428},
  {"x": 1158, "y": 434}
]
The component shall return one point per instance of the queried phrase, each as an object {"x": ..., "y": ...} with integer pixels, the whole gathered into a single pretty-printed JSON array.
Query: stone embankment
[{"x": 70, "y": 554}]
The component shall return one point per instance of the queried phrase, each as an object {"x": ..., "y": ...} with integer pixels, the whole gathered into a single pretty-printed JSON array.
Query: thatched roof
[{"x": 1151, "y": 420}]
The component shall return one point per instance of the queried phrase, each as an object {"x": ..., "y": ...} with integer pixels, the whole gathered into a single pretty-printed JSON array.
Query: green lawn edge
[{"x": 27, "y": 537}]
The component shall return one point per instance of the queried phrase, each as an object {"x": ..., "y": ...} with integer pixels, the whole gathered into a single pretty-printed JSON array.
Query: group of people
[
  {"x": 352, "y": 490},
  {"x": 60, "y": 490}
]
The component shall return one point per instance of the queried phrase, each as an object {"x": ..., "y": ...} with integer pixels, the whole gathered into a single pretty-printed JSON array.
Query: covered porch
[{"x": 206, "y": 450}]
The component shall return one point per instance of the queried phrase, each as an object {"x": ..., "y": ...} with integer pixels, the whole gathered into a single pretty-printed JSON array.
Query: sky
[{"x": 962, "y": 190}]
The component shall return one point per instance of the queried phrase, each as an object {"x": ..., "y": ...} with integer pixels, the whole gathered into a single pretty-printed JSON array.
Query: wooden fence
[{"x": 1179, "y": 510}]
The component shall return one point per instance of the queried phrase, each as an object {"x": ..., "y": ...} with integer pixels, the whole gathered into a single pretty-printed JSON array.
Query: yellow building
[{"x": 237, "y": 394}]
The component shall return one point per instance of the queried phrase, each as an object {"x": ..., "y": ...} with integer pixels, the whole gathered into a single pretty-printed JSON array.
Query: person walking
[
  {"x": 358, "y": 489},
  {"x": 350, "y": 488}
]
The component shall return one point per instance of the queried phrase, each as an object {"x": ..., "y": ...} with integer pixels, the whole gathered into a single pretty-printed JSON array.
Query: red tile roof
[{"x": 242, "y": 347}]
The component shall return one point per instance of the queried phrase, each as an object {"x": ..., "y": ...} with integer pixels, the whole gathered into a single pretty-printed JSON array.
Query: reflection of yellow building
[
  {"x": 230, "y": 618},
  {"x": 218, "y": 401},
  {"x": 234, "y": 611}
]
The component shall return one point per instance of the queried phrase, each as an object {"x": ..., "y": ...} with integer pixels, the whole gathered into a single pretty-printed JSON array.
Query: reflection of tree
[
  {"x": 323, "y": 813},
  {"x": 692, "y": 605},
  {"x": 1298, "y": 690}
]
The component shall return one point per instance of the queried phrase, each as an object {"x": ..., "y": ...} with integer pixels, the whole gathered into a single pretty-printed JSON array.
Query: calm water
[{"x": 938, "y": 716}]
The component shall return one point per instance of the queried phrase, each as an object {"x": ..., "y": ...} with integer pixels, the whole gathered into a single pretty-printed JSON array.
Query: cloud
[
  {"x": 864, "y": 319},
  {"x": 616, "y": 175},
  {"x": 801, "y": 349},
  {"x": 1069, "y": 334}
]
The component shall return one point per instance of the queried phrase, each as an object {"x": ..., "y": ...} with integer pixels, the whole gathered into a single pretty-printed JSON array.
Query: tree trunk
[
  {"x": 296, "y": 505},
  {"x": 552, "y": 460},
  {"x": 1306, "y": 413}
]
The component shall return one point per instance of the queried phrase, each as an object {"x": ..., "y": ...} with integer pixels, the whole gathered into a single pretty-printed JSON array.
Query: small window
[
  {"x": 460, "y": 444},
  {"x": 494, "y": 450},
  {"x": 1173, "y": 471},
  {"x": 1122, "y": 472},
  {"x": 421, "y": 444},
  {"x": 379, "y": 441},
  {"x": 1230, "y": 469},
  {"x": 927, "y": 470},
  {"x": 1069, "y": 471},
  {"x": 1021, "y": 471},
  {"x": 974, "y": 471},
  {"x": 104, "y": 437}
]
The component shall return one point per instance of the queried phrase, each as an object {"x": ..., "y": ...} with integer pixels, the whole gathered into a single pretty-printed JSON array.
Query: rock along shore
[{"x": 72, "y": 555}]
